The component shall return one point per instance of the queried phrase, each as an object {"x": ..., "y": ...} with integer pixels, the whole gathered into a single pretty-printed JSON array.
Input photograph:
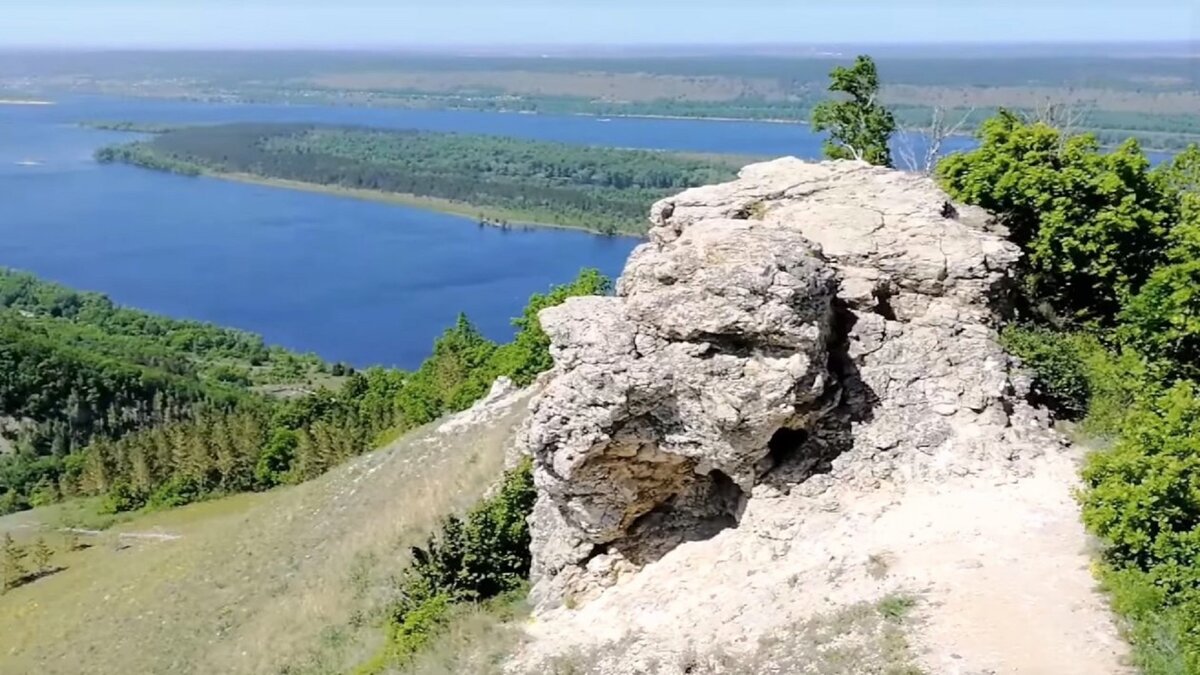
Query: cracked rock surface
[{"x": 804, "y": 326}]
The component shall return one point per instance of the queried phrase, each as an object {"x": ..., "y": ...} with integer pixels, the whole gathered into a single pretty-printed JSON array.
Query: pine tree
[
  {"x": 41, "y": 555},
  {"x": 12, "y": 564}
]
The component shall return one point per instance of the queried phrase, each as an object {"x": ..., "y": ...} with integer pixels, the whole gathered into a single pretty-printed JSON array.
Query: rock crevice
[{"x": 803, "y": 325}]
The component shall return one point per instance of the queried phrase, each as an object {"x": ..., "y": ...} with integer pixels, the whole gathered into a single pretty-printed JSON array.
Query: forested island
[
  {"x": 144, "y": 410},
  {"x": 500, "y": 180}
]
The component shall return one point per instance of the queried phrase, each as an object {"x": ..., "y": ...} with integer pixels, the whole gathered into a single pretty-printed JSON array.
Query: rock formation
[
  {"x": 796, "y": 407},
  {"x": 804, "y": 324}
]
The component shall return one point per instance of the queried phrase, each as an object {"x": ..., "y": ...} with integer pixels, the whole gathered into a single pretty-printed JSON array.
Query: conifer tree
[
  {"x": 41, "y": 555},
  {"x": 12, "y": 564}
]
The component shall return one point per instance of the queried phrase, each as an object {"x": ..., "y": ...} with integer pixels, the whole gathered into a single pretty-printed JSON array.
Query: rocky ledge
[{"x": 806, "y": 325}]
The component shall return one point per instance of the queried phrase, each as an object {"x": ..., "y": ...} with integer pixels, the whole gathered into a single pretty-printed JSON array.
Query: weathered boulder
[{"x": 804, "y": 324}]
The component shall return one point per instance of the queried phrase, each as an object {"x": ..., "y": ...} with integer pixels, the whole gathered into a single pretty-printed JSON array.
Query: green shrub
[
  {"x": 122, "y": 497},
  {"x": 1143, "y": 499},
  {"x": 1093, "y": 225},
  {"x": 177, "y": 491},
  {"x": 1156, "y": 630},
  {"x": 276, "y": 458},
  {"x": 1079, "y": 378},
  {"x": 1163, "y": 320},
  {"x": 1060, "y": 377},
  {"x": 481, "y": 557},
  {"x": 528, "y": 355},
  {"x": 486, "y": 553}
]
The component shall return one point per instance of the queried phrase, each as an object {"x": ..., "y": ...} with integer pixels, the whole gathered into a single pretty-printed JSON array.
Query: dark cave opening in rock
[
  {"x": 785, "y": 445},
  {"x": 727, "y": 497}
]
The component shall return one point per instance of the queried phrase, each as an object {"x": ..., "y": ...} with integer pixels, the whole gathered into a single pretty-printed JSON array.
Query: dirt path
[
  {"x": 156, "y": 536},
  {"x": 1007, "y": 582}
]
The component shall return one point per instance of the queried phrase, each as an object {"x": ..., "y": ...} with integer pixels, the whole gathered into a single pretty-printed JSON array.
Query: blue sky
[{"x": 401, "y": 23}]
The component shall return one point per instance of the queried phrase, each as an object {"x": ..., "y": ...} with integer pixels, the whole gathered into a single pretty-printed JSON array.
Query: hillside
[
  {"x": 790, "y": 443},
  {"x": 289, "y": 581},
  {"x": 77, "y": 368},
  {"x": 149, "y": 412},
  {"x": 499, "y": 180}
]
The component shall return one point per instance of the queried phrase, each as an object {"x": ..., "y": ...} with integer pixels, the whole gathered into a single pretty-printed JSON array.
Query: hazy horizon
[{"x": 476, "y": 25}]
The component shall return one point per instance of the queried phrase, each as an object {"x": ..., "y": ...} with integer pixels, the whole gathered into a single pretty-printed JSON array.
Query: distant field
[
  {"x": 610, "y": 86},
  {"x": 1153, "y": 94}
]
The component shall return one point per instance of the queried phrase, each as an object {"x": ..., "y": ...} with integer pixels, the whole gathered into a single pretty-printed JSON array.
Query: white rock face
[
  {"x": 807, "y": 337},
  {"x": 801, "y": 319}
]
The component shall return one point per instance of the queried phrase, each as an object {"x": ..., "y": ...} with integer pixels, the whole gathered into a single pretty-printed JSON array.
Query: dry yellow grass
[{"x": 291, "y": 581}]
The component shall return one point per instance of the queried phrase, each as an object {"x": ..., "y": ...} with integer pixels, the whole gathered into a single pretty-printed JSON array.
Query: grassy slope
[{"x": 286, "y": 581}]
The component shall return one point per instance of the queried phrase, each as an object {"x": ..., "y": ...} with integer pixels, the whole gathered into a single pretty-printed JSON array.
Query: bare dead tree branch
[
  {"x": 929, "y": 139},
  {"x": 1068, "y": 117}
]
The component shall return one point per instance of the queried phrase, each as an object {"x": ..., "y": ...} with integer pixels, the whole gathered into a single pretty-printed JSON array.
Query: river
[{"x": 355, "y": 281}]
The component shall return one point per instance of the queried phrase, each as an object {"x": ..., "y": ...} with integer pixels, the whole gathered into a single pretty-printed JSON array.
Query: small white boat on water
[{"x": 29, "y": 162}]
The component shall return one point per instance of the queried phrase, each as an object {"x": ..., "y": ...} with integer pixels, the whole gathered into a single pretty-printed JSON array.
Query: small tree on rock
[{"x": 859, "y": 126}]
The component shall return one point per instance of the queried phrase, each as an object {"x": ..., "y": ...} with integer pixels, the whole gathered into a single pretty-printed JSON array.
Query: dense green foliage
[
  {"x": 141, "y": 154},
  {"x": 1111, "y": 253},
  {"x": 1094, "y": 225},
  {"x": 75, "y": 368},
  {"x": 1143, "y": 499},
  {"x": 1081, "y": 377},
  {"x": 603, "y": 189},
  {"x": 859, "y": 126},
  {"x": 141, "y": 409},
  {"x": 470, "y": 560}
]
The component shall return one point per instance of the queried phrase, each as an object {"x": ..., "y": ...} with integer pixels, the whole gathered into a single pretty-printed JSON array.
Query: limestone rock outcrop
[{"x": 804, "y": 325}]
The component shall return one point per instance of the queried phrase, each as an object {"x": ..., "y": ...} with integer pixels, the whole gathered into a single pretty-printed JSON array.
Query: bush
[
  {"x": 528, "y": 355},
  {"x": 177, "y": 491},
  {"x": 122, "y": 497},
  {"x": 1076, "y": 376},
  {"x": 1060, "y": 378},
  {"x": 1143, "y": 499},
  {"x": 470, "y": 560},
  {"x": 276, "y": 458},
  {"x": 1093, "y": 225},
  {"x": 1163, "y": 319}
]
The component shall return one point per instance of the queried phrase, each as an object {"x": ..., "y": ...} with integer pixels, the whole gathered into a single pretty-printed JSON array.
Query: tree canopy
[
  {"x": 137, "y": 407},
  {"x": 859, "y": 126},
  {"x": 1094, "y": 225}
]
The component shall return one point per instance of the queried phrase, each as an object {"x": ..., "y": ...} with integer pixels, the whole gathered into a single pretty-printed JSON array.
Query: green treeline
[
  {"x": 1156, "y": 131},
  {"x": 602, "y": 189},
  {"x": 146, "y": 410},
  {"x": 1110, "y": 310},
  {"x": 76, "y": 368},
  {"x": 132, "y": 127}
]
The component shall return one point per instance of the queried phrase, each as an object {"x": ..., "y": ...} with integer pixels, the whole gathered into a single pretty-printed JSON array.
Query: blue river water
[{"x": 350, "y": 280}]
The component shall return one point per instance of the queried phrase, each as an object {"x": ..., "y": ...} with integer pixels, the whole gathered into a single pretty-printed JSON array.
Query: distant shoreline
[
  {"x": 698, "y": 118},
  {"x": 438, "y": 204},
  {"x": 20, "y": 101}
]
